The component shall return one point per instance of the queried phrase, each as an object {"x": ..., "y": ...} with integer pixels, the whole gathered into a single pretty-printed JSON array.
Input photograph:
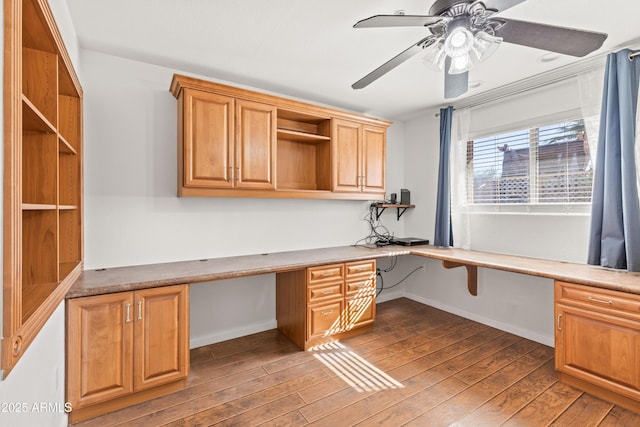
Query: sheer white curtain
[
  {"x": 591, "y": 85},
  {"x": 460, "y": 210}
]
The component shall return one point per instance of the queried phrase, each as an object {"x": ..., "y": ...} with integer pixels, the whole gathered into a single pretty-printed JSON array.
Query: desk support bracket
[{"x": 472, "y": 275}]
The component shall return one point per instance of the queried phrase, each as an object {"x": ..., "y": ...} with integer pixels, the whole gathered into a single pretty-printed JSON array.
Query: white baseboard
[
  {"x": 228, "y": 334},
  {"x": 386, "y": 295},
  {"x": 524, "y": 333}
]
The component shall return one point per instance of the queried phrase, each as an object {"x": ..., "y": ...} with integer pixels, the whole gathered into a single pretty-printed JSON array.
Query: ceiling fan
[{"x": 464, "y": 31}]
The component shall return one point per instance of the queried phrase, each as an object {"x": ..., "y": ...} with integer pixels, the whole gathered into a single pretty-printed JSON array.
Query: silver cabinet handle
[
  {"x": 139, "y": 310},
  {"x": 601, "y": 301},
  {"x": 326, "y": 313},
  {"x": 128, "y": 318}
]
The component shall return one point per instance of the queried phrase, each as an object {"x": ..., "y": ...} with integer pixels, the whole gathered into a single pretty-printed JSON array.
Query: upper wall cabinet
[
  {"x": 42, "y": 174},
  {"x": 358, "y": 157},
  {"x": 238, "y": 143}
]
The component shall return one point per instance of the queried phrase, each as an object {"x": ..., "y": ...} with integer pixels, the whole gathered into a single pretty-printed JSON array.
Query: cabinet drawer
[
  {"x": 602, "y": 300},
  {"x": 359, "y": 312},
  {"x": 316, "y": 294},
  {"x": 360, "y": 269},
  {"x": 325, "y": 273},
  {"x": 324, "y": 319},
  {"x": 361, "y": 288}
]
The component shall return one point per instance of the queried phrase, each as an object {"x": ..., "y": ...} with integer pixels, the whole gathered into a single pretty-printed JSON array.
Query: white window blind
[{"x": 540, "y": 165}]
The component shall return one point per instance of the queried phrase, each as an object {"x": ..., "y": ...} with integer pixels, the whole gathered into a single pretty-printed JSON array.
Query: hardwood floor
[{"x": 419, "y": 367}]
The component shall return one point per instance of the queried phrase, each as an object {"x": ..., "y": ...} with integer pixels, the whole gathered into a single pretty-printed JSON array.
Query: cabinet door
[
  {"x": 359, "y": 311},
  {"x": 374, "y": 159},
  {"x": 99, "y": 348},
  {"x": 255, "y": 145},
  {"x": 346, "y": 156},
  {"x": 601, "y": 349},
  {"x": 324, "y": 320},
  {"x": 207, "y": 147},
  {"x": 161, "y": 336}
]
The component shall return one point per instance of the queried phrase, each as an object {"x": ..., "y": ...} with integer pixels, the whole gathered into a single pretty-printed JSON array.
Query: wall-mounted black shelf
[{"x": 380, "y": 207}]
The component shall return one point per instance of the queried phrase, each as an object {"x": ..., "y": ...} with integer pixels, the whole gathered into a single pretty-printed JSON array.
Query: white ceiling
[{"x": 308, "y": 49}]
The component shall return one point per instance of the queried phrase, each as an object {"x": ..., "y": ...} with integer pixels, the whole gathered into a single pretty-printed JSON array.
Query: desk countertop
[{"x": 119, "y": 279}]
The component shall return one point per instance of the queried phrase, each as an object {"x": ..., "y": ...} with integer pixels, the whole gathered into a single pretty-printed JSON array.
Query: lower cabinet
[
  {"x": 126, "y": 347},
  {"x": 598, "y": 342},
  {"x": 320, "y": 304}
]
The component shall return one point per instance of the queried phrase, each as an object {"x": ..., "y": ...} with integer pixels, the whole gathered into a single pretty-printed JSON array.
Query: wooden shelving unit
[{"x": 43, "y": 174}]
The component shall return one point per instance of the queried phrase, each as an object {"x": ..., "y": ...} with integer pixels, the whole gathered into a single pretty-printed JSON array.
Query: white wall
[
  {"x": 39, "y": 375},
  {"x": 38, "y": 378},
  {"x": 512, "y": 302},
  {"x": 133, "y": 216}
]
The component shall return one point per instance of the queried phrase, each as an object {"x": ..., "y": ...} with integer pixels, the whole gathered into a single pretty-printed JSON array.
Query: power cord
[
  {"x": 378, "y": 233},
  {"x": 379, "y": 272}
]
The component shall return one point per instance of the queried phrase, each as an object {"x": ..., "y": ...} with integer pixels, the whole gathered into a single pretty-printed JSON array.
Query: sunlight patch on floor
[{"x": 361, "y": 375}]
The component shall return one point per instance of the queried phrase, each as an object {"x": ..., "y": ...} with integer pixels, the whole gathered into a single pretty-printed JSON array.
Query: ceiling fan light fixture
[
  {"x": 459, "y": 42},
  {"x": 435, "y": 56},
  {"x": 485, "y": 45},
  {"x": 460, "y": 64}
]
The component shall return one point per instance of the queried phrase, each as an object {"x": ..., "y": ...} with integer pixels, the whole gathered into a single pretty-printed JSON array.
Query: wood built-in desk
[
  {"x": 597, "y": 312},
  {"x": 119, "y": 279}
]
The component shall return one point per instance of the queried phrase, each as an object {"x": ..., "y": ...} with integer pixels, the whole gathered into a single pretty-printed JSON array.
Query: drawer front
[
  {"x": 325, "y": 292},
  {"x": 324, "y": 320},
  {"x": 325, "y": 273},
  {"x": 360, "y": 288},
  {"x": 602, "y": 300},
  {"x": 360, "y": 269},
  {"x": 359, "y": 312}
]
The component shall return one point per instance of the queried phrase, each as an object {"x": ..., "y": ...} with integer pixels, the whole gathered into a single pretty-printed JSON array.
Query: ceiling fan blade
[
  {"x": 454, "y": 84},
  {"x": 393, "y": 62},
  {"x": 568, "y": 41},
  {"x": 397, "y": 21},
  {"x": 501, "y": 5}
]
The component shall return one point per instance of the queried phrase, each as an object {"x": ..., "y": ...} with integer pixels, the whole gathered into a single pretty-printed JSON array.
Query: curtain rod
[
  {"x": 518, "y": 92},
  {"x": 559, "y": 79}
]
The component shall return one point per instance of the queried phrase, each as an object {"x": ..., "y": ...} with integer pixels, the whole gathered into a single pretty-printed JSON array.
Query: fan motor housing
[{"x": 441, "y": 6}]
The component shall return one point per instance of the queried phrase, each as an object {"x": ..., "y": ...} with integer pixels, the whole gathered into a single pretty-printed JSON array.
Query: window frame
[{"x": 530, "y": 208}]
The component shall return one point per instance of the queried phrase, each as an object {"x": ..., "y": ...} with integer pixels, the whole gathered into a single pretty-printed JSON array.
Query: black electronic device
[
  {"x": 409, "y": 241},
  {"x": 405, "y": 197},
  {"x": 393, "y": 198}
]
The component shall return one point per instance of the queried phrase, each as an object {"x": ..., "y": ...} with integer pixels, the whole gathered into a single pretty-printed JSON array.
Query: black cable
[
  {"x": 395, "y": 284},
  {"x": 378, "y": 233},
  {"x": 378, "y": 274},
  {"x": 393, "y": 265}
]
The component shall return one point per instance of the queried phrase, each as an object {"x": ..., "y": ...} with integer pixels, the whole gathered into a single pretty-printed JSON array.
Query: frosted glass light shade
[
  {"x": 435, "y": 56},
  {"x": 485, "y": 45},
  {"x": 460, "y": 64},
  {"x": 459, "y": 42}
]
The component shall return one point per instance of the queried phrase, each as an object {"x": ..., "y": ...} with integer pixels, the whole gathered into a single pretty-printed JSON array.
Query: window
[{"x": 541, "y": 166}]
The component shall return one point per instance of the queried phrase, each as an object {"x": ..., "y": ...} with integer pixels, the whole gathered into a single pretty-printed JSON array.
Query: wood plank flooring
[{"x": 419, "y": 367}]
